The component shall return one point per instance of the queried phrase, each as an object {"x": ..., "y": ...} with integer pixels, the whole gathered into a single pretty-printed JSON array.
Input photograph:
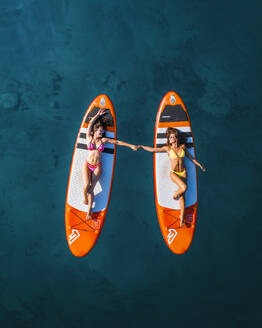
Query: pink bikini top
[{"x": 91, "y": 146}]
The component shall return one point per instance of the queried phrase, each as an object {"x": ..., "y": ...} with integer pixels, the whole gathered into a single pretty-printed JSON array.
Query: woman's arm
[
  {"x": 92, "y": 121},
  {"x": 194, "y": 160},
  {"x": 154, "y": 150},
  {"x": 119, "y": 143}
]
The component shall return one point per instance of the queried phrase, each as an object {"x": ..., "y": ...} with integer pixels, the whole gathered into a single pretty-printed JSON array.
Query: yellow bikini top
[{"x": 173, "y": 154}]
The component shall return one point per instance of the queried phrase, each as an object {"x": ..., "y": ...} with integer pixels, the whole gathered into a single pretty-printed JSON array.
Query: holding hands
[
  {"x": 138, "y": 147},
  {"x": 134, "y": 147}
]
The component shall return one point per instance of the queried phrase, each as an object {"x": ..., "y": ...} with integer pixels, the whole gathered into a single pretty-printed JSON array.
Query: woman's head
[
  {"x": 98, "y": 129},
  {"x": 172, "y": 135}
]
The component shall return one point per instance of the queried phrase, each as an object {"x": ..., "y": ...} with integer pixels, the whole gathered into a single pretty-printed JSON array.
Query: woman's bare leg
[
  {"x": 90, "y": 197},
  {"x": 95, "y": 177},
  {"x": 182, "y": 187},
  {"x": 86, "y": 174},
  {"x": 182, "y": 209}
]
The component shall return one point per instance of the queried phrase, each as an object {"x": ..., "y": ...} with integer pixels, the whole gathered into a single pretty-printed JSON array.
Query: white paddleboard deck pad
[{"x": 102, "y": 188}]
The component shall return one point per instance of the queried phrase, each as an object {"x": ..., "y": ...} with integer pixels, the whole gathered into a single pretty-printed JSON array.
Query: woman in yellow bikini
[{"x": 176, "y": 152}]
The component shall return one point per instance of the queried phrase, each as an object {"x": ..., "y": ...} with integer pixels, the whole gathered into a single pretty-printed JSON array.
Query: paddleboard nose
[
  {"x": 102, "y": 102},
  {"x": 172, "y": 99}
]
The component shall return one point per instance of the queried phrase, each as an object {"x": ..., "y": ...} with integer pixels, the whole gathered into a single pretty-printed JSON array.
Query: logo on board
[
  {"x": 172, "y": 233},
  {"x": 73, "y": 236}
]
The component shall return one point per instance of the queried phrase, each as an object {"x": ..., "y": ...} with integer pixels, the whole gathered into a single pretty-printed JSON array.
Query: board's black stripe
[
  {"x": 82, "y": 135},
  {"x": 108, "y": 118},
  {"x": 174, "y": 113},
  {"x": 183, "y": 134},
  {"x": 84, "y": 146},
  {"x": 188, "y": 145},
  {"x": 109, "y": 150}
]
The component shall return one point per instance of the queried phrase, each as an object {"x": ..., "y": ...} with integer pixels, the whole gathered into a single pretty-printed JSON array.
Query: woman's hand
[
  {"x": 101, "y": 112},
  {"x": 202, "y": 168},
  {"x": 134, "y": 147}
]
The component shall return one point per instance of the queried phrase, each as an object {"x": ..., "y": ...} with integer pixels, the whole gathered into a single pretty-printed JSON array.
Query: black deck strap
[
  {"x": 174, "y": 113},
  {"x": 183, "y": 134},
  {"x": 84, "y": 147},
  {"x": 82, "y": 135},
  {"x": 108, "y": 118}
]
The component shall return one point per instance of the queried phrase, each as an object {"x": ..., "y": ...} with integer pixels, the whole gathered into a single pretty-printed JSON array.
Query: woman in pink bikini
[
  {"x": 93, "y": 166},
  {"x": 176, "y": 151}
]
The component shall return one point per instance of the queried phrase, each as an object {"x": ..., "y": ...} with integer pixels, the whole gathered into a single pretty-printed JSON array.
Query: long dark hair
[
  {"x": 174, "y": 131},
  {"x": 97, "y": 124},
  {"x": 100, "y": 121}
]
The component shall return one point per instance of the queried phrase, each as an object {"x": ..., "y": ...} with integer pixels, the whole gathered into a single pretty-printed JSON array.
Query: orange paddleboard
[
  {"x": 172, "y": 113},
  {"x": 81, "y": 234}
]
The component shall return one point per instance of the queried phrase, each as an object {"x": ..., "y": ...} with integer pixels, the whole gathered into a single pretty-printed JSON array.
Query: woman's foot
[
  {"x": 182, "y": 223},
  {"x": 176, "y": 196}
]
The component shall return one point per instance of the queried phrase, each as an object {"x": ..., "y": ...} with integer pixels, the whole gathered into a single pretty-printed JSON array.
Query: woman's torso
[
  {"x": 176, "y": 157},
  {"x": 95, "y": 148}
]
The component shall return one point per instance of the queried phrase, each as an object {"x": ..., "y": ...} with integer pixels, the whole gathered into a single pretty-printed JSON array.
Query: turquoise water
[{"x": 56, "y": 57}]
